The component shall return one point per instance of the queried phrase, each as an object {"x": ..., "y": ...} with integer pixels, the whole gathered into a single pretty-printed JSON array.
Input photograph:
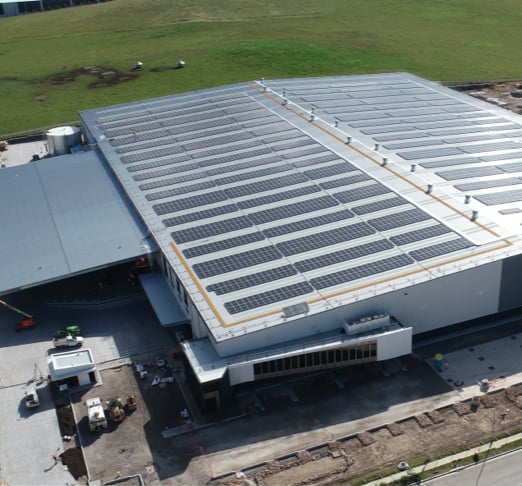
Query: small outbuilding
[{"x": 73, "y": 368}]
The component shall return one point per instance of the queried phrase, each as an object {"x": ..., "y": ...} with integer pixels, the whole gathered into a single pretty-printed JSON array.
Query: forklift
[{"x": 27, "y": 322}]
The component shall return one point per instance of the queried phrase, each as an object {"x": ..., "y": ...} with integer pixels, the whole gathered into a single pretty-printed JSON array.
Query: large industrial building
[{"x": 296, "y": 224}]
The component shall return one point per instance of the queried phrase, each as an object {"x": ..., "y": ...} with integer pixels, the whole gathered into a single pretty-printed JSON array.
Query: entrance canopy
[{"x": 165, "y": 305}]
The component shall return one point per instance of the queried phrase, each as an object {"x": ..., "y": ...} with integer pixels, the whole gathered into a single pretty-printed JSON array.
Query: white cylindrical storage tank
[{"x": 61, "y": 139}]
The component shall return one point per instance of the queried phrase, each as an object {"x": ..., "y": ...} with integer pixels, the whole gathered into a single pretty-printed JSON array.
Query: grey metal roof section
[
  {"x": 319, "y": 191},
  {"x": 63, "y": 216}
]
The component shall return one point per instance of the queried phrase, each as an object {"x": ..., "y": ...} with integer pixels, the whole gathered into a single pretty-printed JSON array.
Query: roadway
[{"x": 505, "y": 470}]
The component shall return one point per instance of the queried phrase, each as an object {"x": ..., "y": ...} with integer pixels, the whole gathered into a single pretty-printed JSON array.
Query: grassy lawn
[{"x": 230, "y": 41}]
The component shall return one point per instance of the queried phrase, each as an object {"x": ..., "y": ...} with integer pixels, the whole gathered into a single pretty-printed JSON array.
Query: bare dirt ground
[
  {"x": 506, "y": 94},
  {"x": 421, "y": 437}
]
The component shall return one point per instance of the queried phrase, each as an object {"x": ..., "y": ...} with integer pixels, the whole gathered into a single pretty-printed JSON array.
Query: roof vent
[
  {"x": 384, "y": 161},
  {"x": 467, "y": 198},
  {"x": 336, "y": 123},
  {"x": 376, "y": 147},
  {"x": 413, "y": 167},
  {"x": 348, "y": 139},
  {"x": 429, "y": 190},
  {"x": 474, "y": 215}
]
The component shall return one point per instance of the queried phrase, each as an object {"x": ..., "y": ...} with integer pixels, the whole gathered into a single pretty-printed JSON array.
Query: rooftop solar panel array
[{"x": 264, "y": 213}]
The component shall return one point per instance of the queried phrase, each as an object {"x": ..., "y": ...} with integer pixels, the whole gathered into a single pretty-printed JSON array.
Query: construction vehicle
[
  {"x": 96, "y": 414},
  {"x": 72, "y": 330},
  {"x": 68, "y": 342},
  {"x": 31, "y": 398},
  {"x": 116, "y": 412},
  {"x": 131, "y": 403},
  {"x": 26, "y": 323}
]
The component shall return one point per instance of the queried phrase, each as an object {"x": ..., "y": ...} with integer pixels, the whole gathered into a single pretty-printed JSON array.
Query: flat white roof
[
  {"x": 72, "y": 359},
  {"x": 266, "y": 212}
]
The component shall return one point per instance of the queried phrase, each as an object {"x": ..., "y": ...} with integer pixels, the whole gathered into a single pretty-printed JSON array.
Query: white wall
[
  {"x": 394, "y": 344},
  {"x": 241, "y": 373},
  {"x": 433, "y": 304}
]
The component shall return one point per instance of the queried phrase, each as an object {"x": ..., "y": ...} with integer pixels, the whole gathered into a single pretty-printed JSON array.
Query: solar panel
[
  {"x": 221, "y": 245},
  {"x": 476, "y": 186},
  {"x": 232, "y": 157},
  {"x": 166, "y": 181},
  {"x": 151, "y": 154},
  {"x": 248, "y": 163},
  {"x": 510, "y": 211},
  {"x": 161, "y": 163},
  {"x": 329, "y": 170},
  {"x": 417, "y": 143},
  {"x": 509, "y": 168},
  {"x": 265, "y": 185},
  {"x": 428, "y": 154},
  {"x": 295, "y": 154},
  {"x": 419, "y": 235},
  {"x": 450, "y": 162},
  {"x": 490, "y": 147},
  {"x": 230, "y": 263},
  {"x": 344, "y": 181},
  {"x": 397, "y": 220},
  {"x": 379, "y": 205},
  {"x": 189, "y": 202},
  {"x": 252, "y": 280},
  {"x": 399, "y": 136},
  {"x": 307, "y": 223},
  {"x": 226, "y": 150},
  {"x": 211, "y": 229},
  {"x": 319, "y": 159},
  {"x": 500, "y": 197},
  {"x": 361, "y": 193},
  {"x": 253, "y": 174},
  {"x": 177, "y": 191},
  {"x": 213, "y": 141},
  {"x": 398, "y": 127},
  {"x": 492, "y": 158},
  {"x": 439, "y": 249},
  {"x": 452, "y": 175},
  {"x": 324, "y": 238},
  {"x": 366, "y": 270},
  {"x": 290, "y": 210},
  {"x": 128, "y": 144},
  {"x": 280, "y": 196},
  {"x": 302, "y": 142},
  {"x": 344, "y": 255},
  {"x": 198, "y": 215},
  {"x": 259, "y": 300}
]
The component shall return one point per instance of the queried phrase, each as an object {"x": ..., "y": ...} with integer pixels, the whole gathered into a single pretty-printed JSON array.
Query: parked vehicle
[
  {"x": 116, "y": 412},
  {"x": 96, "y": 414},
  {"x": 68, "y": 342},
  {"x": 72, "y": 330}
]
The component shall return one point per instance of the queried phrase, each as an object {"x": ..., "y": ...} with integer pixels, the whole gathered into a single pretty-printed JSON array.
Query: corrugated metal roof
[
  {"x": 63, "y": 216},
  {"x": 260, "y": 204}
]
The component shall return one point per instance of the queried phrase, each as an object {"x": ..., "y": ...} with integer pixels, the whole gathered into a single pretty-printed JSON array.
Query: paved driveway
[{"x": 28, "y": 440}]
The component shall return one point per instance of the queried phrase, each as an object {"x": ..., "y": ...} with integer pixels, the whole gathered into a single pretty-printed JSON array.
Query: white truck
[
  {"x": 68, "y": 341},
  {"x": 96, "y": 414}
]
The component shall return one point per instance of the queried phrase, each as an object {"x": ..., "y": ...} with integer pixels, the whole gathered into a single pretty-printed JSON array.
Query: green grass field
[{"x": 224, "y": 42}]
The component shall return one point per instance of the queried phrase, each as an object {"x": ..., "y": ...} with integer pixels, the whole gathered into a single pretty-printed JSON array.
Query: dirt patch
[
  {"x": 73, "y": 459},
  {"x": 507, "y": 94},
  {"x": 410, "y": 440},
  {"x": 66, "y": 420},
  {"x": 105, "y": 75}
]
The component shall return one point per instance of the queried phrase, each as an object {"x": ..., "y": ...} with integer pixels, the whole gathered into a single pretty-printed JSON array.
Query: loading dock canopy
[
  {"x": 64, "y": 216},
  {"x": 165, "y": 305}
]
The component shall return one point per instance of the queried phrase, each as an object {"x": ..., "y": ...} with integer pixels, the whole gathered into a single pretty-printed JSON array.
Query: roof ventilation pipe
[
  {"x": 429, "y": 190},
  {"x": 467, "y": 199},
  {"x": 384, "y": 161},
  {"x": 336, "y": 124},
  {"x": 348, "y": 140},
  {"x": 474, "y": 215},
  {"x": 312, "y": 117},
  {"x": 376, "y": 147},
  {"x": 413, "y": 168}
]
